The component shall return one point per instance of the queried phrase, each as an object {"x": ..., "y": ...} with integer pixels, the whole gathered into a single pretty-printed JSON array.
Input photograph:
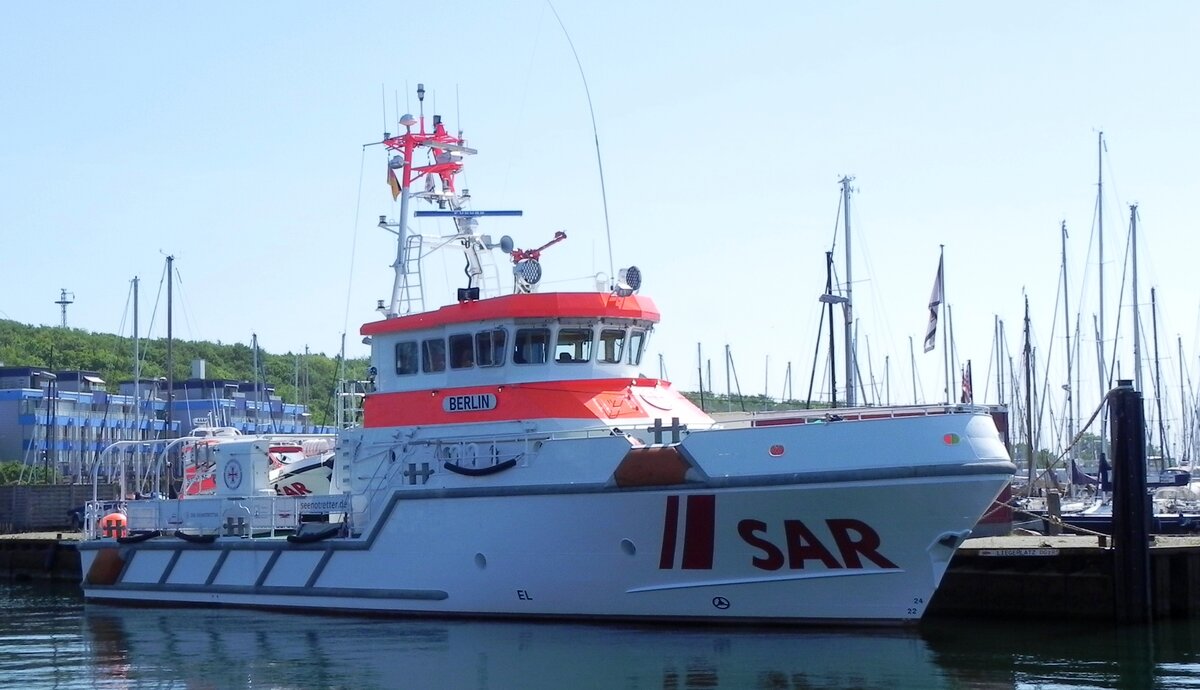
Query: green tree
[{"x": 111, "y": 356}]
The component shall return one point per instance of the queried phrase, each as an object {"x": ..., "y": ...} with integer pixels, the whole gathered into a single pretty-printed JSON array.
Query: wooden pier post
[
  {"x": 1054, "y": 513},
  {"x": 1131, "y": 514}
]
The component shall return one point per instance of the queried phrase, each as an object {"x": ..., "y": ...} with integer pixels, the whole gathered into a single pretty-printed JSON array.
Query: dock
[
  {"x": 40, "y": 556},
  {"x": 1063, "y": 578}
]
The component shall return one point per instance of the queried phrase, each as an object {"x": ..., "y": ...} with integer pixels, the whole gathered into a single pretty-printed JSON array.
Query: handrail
[{"x": 850, "y": 414}]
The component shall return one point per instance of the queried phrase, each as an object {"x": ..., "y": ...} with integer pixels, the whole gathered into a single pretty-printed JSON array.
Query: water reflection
[
  {"x": 50, "y": 639},
  {"x": 1041, "y": 654}
]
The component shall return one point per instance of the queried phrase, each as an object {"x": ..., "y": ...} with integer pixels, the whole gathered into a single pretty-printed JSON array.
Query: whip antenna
[{"x": 595, "y": 135}]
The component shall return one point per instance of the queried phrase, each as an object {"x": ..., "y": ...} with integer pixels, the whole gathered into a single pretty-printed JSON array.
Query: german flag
[{"x": 394, "y": 184}]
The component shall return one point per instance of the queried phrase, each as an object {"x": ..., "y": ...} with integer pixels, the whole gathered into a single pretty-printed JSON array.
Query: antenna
[
  {"x": 64, "y": 299},
  {"x": 383, "y": 102},
  {"x": 595, "y": 134}
]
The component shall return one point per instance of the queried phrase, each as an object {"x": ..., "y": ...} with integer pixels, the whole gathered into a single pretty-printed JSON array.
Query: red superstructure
[{"x": 549, "y": 305}]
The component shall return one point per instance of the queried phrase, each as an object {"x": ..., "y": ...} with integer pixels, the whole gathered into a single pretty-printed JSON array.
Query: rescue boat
[{"x": 513, "y": 460}]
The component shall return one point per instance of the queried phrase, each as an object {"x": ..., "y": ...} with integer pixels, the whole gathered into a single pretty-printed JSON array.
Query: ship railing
[
  {"x": 848, "y": 414},
  {"x": 250, "y": 517},
  {"x": 152, "y": 458}
]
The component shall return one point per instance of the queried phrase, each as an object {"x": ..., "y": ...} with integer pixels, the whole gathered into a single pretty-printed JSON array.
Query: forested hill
[{"x": 58, "y": 349}]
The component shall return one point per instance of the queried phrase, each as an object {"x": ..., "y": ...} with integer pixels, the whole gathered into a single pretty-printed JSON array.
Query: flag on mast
[
  {"x": 393, "y": 183},
  {"x": 935, "y": 301},
  {"x": 968, "y": 395}
]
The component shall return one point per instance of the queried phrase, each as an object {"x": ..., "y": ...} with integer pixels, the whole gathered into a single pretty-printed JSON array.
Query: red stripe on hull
[
  {"x": 666, "y": 559},
  {"x": 698, "y": 532}
]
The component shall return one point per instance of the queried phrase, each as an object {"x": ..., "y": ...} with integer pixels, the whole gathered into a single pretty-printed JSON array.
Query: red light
[{"x": 776, "y": 450}]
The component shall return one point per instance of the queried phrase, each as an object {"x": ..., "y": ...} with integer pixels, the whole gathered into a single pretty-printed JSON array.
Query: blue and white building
[{"x": 64, "y": 419}]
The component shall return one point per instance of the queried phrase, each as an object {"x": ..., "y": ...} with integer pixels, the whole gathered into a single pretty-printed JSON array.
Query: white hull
[
  {"x": 489, "y": 547},
  {"x": 427, "y": 559},
  {"x": 306, "y": 477}
]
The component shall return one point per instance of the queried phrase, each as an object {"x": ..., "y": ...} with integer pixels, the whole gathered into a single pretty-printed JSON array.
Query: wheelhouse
[{"x": 580, "y": 336}]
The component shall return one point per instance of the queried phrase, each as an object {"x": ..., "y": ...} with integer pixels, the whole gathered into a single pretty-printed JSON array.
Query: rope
[
  {"x": 1052, "y": 519},
  {"x": 1074, "y": 441}
]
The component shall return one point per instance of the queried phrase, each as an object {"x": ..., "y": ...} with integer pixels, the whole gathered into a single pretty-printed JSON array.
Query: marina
[{"x": 556, "y": 375}]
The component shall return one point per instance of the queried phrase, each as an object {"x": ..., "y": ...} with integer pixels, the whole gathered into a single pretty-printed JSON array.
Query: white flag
[{"x": 935, "y": 301}]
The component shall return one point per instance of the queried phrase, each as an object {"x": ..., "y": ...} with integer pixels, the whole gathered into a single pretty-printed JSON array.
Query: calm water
[{"x": 50, "y": 639}]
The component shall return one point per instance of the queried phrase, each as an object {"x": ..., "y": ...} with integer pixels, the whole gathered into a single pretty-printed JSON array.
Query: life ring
[{"x": 113, "y": 525}]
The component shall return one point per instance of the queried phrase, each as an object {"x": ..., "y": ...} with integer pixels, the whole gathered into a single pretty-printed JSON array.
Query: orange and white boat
[
  {"x": 514, "y": 461},
  {"x": 300, "y": 465}
]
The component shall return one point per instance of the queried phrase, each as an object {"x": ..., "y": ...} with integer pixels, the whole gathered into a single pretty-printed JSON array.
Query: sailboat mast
[
  {"x": 170, "y": 343},
  {"x": 1162, "y": 431},
  {"x": 945, "y": 309},
  {"x": 1078, "y": 390},
  {"x": 257, "y": 397},
  {"x": 1100, "y": 238},
  {"x": 887, "y": 380},
  {"x": 998, "y": 331},
  {"x": 1137, "y": 324},
  {"x": 1067, "y": 328},
  {"x": 137, "y": 367},
  {"x": 950, "y": 395},
  {"x": 912, "y": 360},
  {"x": 851, "y": 358},
  {"x": 1028, "y": 396},
  {"x": 1184, "y": 429},
  {"x": 832, "y": 352}
]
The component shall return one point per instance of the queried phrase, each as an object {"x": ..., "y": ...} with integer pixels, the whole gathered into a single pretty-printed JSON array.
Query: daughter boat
[{"x": 513, "y": 461}]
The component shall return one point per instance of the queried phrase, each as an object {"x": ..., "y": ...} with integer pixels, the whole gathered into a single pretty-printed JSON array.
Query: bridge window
[
  {"x": 574, "y": 345},
  {"x": 489, "y": 347},
  {"x": 612, "y": 345},
  {"x": 433, "y": 355},
  {"x": 531, "y": 346},
  {"x": 462, "y": 351},
  {"x": 406, "y": 357},
  {"x": 637, "y": 343}
]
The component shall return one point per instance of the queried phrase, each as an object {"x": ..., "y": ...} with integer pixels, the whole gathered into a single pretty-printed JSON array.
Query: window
[
  {"x": 637, "y": 343},
  {"x": 612, "y": 345},
  {"x": 489, "y": 347},
  {"x": 406, "y": 357},
  {"x": 531, "y": 346},
  {"x": 574, "y": 345},
  {"x": 462, "y": 352},
  {"x": 433, "y": 355}
]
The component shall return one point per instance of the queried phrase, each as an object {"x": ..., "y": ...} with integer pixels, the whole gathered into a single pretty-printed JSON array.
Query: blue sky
[{"x": 230, "y": 135}]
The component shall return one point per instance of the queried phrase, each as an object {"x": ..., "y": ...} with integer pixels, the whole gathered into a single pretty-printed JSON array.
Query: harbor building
[{"x": 64, "y": 419}]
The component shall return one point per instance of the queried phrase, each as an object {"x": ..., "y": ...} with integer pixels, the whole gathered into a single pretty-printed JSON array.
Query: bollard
[
  {"x": 1131, "y": 516},
  {"x": 1054, "y": 511}
]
